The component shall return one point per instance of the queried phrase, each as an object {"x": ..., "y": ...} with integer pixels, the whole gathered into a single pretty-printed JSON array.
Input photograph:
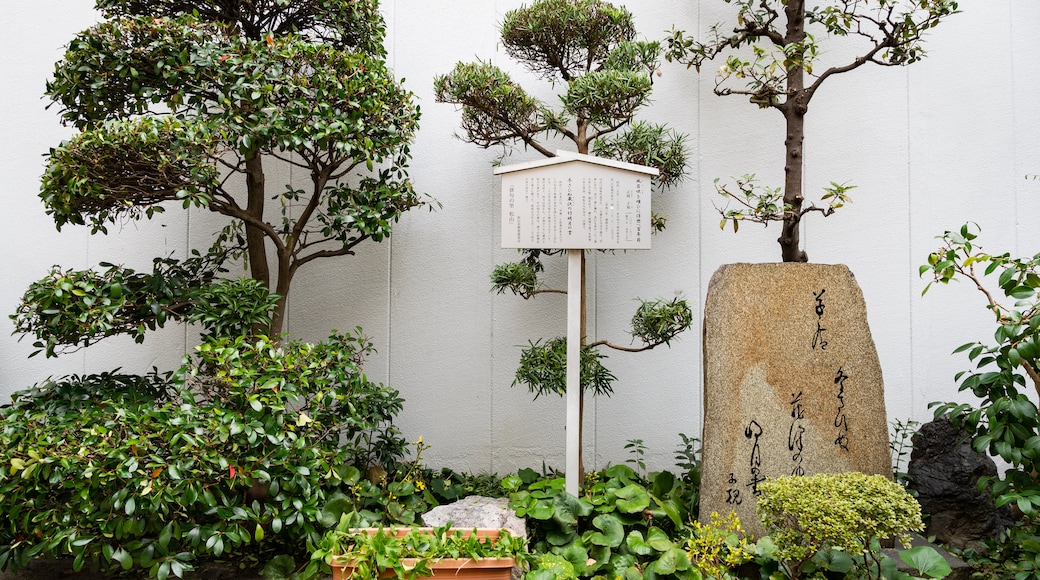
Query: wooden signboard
[{"x": 574, "y": 201}]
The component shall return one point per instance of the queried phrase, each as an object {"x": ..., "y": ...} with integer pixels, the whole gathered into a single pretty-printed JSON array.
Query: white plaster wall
[{"x": 930, "y": 146}]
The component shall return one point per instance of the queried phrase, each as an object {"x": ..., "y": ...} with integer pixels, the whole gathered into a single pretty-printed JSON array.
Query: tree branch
[
  {"x": 346, "y": 250},
  {"x": 858, "y": 62},
  {"x": 609, "y": 344}
]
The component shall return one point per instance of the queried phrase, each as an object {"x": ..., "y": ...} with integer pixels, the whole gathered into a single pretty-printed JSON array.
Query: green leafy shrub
[
  {"x": 1005, "y": 423},
  {"x": 235, "y": 453},
  {"x": 849, "y": 512},
  {"x": 718, "y": 547},
  {"x": 901, "y": 445},
  {"x": 377, "y": 497},
  {"x": 551, "y": 566}
]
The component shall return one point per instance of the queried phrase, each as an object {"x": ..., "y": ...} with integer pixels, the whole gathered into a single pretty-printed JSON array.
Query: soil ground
[{"x": 62, "y": 569}]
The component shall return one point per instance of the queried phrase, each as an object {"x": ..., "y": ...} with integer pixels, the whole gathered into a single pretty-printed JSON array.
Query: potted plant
[{"x": 417, "y": 553}]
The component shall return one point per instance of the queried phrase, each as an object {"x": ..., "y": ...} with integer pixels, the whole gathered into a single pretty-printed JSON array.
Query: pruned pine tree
[{"x": 587, "y": 48}]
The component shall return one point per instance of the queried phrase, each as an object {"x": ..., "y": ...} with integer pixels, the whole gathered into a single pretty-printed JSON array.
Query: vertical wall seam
[
  {"x": 910, "y": 239},
  {"x": 699, "y": 356},
  {"x": 1014, "y": 126},
  {"x": 287, "y": 314},
  {"x": 185, "y": 328}
]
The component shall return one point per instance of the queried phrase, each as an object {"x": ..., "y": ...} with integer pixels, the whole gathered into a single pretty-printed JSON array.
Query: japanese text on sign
[{"x": 594, "y": 208}]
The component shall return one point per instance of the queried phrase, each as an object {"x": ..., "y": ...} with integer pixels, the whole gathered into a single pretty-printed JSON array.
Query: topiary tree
[
  {"x": 850, "y": 512},
  {"x": 587, "y": 47},
  {"x": 186, "y": 103},
  {"x": 779, "y": 73}
]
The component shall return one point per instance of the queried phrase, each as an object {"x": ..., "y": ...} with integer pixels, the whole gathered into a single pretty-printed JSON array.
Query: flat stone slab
[
  {"x": 477, "y": 511},
  {"x": 792, "y": 382}
]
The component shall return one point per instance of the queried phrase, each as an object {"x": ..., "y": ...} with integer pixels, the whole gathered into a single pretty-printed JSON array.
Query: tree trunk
[
  {"x": 790, "y": 240},
  {"x": 794, "y": 109},
  {"x": 256, "y": 241},
  {"x": 285, "y": 273}
]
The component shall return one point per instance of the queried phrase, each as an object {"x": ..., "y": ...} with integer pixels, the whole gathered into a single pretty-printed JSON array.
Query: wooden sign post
[{"x": 575, "y": 202}]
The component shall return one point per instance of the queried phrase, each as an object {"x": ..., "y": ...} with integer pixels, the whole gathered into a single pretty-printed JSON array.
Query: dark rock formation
[{"x": 944, "y": 471}]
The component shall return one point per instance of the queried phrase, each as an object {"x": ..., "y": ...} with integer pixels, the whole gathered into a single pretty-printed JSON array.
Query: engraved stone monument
[{"x": 792, "y": 383}]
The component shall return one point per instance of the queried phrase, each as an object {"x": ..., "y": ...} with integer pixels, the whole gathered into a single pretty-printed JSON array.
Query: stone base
[{"x": 961, "y": 570}]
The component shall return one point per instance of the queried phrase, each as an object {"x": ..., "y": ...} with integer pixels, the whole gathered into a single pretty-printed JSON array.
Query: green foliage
[
  {"x": 550, "y": 566},
  {"x": 927, "y": 561},
  {"x": 235, "y": 454},
  {"x": 901, "y": 446},
  {"x": 70, "y": 309},
  {"x": 1014, "y": 555},
  {"x": 848, "y": 512},
  {"x": 718, "y": 547},
  {"x": 374, "y": 552},
  {"x": 354, "y": 24},
  {"x": 622, "y": 525},
  {"x": 233, "y": 308},
  {"x": 651, "y": 145},
  {"x": 688, "y": 460},
  {"x": 589, "y": 46},
  {"x": 519, "y": 277},
  {"x": 448, "y": 485},
  {"x": 181, "y": 103},
  {"x": 659, "y": 321},
  {"x": 761, "y": 204},
  {"x": 377, "y": 496},
  {"x": 497, "y": 109},
  {"x": 555, "y": 37},
  {"x": 1005, "y": 422},
  {"x": 637, "y": 450},
  {"x": 77, "y": 187},
  {"x": 543, "y": 368}
]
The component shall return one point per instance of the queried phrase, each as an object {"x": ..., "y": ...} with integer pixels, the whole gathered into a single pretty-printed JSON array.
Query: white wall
[{"x": 930, "y": 146}]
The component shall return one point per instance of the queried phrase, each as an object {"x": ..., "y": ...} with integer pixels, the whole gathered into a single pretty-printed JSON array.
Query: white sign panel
[{"x": 576, "y": 204}]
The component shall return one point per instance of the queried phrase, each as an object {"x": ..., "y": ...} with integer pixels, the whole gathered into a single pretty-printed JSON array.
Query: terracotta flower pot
[{"x": 465, "y": 568}]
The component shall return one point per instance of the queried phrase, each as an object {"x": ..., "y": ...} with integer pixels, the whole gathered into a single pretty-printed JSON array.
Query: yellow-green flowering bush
[
  {"x": 841, "y": 511},
  {"x": 719, "y": 546}
]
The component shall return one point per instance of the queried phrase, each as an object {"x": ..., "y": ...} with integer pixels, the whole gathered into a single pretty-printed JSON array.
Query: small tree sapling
[{"x": 779, "y": 72}]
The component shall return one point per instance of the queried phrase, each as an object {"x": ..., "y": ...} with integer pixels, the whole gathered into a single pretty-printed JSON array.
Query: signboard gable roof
[{"x": 571, "y": 157}]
